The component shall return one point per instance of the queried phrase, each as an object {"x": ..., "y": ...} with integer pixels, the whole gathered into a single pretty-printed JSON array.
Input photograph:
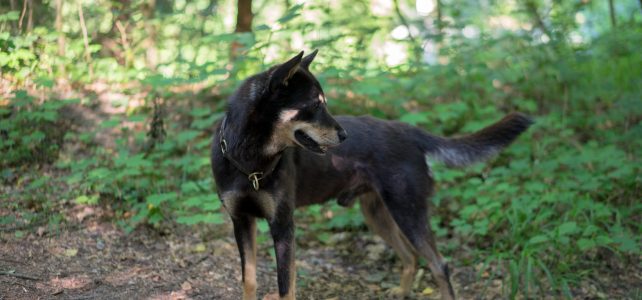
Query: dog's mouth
[{"x": 309, "y": 143}]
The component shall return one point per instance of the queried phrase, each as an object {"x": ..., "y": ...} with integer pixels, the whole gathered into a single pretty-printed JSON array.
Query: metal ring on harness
[
  {"x": 223, "y": 146},
  {"x": 254, "y": 178}
]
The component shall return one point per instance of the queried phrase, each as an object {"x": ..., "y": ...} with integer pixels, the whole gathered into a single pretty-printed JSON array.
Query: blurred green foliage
[{"x": 553, "y": 203}]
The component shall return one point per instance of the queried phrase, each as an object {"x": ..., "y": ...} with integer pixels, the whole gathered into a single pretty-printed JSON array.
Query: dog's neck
[{"x": 245, "y": 145}]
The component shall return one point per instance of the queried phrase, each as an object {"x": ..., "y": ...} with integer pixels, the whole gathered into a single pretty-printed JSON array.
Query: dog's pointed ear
[
  {"x": 306, "y": 61},
  {"x": 285, "y": 71}
]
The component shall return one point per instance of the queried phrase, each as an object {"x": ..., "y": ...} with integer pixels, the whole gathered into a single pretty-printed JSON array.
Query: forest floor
[{"x": 91, "y": 258}]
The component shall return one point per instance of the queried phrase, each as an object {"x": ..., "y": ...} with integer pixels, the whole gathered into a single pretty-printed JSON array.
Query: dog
[{"x": 278, "y": 148}]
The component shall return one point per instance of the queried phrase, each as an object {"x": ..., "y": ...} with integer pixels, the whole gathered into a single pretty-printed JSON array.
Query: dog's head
[{"x": 293, "y": 102}]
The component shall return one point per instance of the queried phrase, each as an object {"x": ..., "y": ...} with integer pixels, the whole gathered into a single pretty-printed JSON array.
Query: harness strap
[{"x": 253, "y": 177}]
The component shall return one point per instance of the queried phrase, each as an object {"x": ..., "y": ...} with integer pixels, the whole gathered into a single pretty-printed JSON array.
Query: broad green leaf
[
  {"x": 585, "y": 244},
  {"x": 567, "y": 228},
  {"x": 538, "y": 239}
]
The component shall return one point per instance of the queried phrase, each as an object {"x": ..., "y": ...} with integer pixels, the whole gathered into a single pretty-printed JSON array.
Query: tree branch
[
  {"x": 18, "y": 275},
  {"x": 30, "y": 17},
  {"x": 244, "y": 18},
  {"x": 84, "y": 36},
  {"x": 612, "y": 13},
  {"x": 22, "y": 15},
  {"x": 61, "y": 36},
  {"x": 403, "y": 20},
  {"x": 539, "y": 22}
]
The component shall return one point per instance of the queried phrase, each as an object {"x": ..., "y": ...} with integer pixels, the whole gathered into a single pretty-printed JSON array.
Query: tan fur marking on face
[
  {"x": 283, "y": 135},
  {"x": 322, "y": 98},
  {"x": 288, "y": 115},
  {"x": 324, "y": 136}
]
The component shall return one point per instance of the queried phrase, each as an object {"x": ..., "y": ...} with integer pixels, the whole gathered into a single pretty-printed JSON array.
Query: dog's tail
[{"x": 476, "y": 147}]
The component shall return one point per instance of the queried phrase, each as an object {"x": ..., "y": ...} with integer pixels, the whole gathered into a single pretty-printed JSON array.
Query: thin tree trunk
[
  {"x": 30, "y": 17},
  {"x": 110, "y": 41},
  {"x": 612, "y": 13},
  {"x": 128, "y": 56},
  {"x": 84, "y": 37},
  {"x": 61, "y": 35},
  {"x": 151, "y": 55},
  {"x": 244, "y": 16},
  {"x": 22, "y": 14},
  {"x": 243, "y": 23},
  {"x": 440, "y": 24}
]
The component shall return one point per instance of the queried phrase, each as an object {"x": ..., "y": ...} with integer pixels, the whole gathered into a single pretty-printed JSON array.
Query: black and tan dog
[{"x": 278, "y": 148}]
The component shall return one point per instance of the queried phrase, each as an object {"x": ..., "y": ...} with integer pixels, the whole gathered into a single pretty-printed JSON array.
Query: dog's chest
[{"x": 260, "y": 204}]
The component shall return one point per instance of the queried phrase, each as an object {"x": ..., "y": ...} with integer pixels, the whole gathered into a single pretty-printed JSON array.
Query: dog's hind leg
[
  {"x": 381, "y": 223},
  {"x": 245, "y": 234},
  {"x": 409, "y": 208}
]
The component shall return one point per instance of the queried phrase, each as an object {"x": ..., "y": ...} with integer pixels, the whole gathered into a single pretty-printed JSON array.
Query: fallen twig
[{"x": 18, "y": 275}]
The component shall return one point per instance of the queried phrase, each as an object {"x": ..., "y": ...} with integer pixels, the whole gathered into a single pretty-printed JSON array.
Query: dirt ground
[{"x": 91, "y": 258}]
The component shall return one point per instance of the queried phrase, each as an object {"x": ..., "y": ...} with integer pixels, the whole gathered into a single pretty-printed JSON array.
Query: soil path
[{"x": 94, "y": 259}]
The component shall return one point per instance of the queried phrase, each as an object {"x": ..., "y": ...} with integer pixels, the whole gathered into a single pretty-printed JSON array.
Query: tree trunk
[
  {"x": 151, "y": 54},
  {"x": 22, "y": 14},
  {"x": 61, "y": 35},
  {"x": 14, "y": 6},
  {"x": 244, "y": 16},
  {"x": 612, "y": 13},
  {"x": 110, "y": 41},
  {"x": 243, "y": 23},
  {"x": 440, "y": 24},
  {"x": 85, "y": 38},
  {"x": 30, "y": 17}
]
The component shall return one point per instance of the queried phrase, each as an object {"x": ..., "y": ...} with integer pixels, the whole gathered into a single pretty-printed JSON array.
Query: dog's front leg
[
  {"x": 282, "y": 230},
  {"x": 245, "y": 234}
]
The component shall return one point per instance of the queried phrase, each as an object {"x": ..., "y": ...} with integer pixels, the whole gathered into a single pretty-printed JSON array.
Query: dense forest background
[{"x": 109, "y": 105}]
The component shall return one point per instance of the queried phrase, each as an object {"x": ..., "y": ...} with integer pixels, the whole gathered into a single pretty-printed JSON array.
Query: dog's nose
[{"x": 342, "y": 134}]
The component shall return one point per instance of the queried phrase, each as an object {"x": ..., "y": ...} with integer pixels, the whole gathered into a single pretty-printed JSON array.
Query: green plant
[{"x": 31, "y": 130}]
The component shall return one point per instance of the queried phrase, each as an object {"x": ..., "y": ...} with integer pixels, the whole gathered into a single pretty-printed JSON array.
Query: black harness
[{"x": 253, "y": 177}]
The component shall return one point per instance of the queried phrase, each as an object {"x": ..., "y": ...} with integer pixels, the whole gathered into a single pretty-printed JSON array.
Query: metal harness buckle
[
  {"x": 223, "y": 146},
  {"x": 254, "y": 178}
]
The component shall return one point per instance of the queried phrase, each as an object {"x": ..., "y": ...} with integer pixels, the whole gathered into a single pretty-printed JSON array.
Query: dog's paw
[{"x": 271, "y": 296}]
